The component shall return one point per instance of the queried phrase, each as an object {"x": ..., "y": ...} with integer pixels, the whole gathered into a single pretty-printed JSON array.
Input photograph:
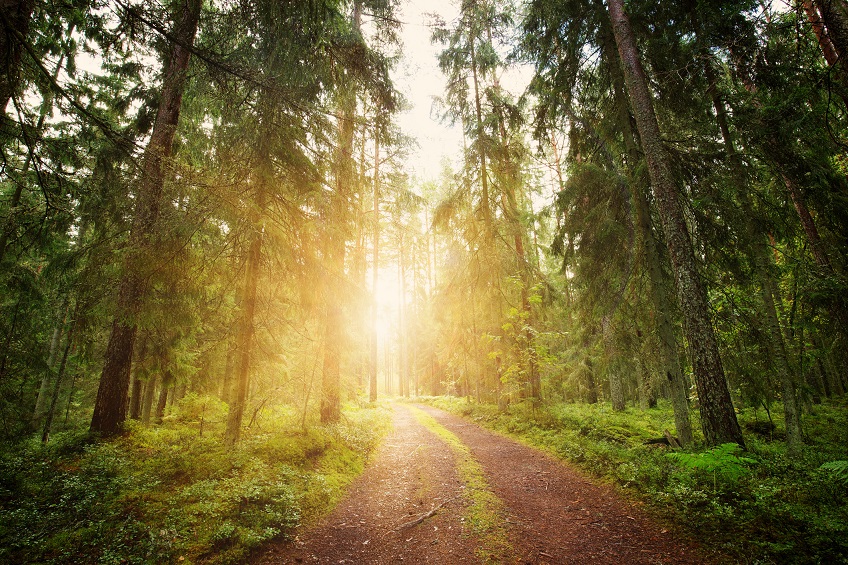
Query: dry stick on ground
[{"x": 424, "y": 516}]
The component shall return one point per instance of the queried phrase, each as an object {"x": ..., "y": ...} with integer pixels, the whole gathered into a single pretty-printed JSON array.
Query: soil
[{"x": 408, "y": 506}]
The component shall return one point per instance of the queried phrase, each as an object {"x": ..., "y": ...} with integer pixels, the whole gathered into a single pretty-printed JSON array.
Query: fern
[
  {"x": 722, "y": 461},
  {"x": 837, "y": 469}
]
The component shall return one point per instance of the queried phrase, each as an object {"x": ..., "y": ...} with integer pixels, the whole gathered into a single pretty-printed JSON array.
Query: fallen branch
[{"x": 424, "y": 516}]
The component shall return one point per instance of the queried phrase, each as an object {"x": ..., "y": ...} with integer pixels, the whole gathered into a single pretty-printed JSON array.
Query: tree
[
  {"x": 718, "y": 419},
  {"x": 110, "y": 408}
]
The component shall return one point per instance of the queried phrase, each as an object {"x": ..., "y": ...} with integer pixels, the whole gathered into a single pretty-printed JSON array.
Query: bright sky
[{"x": 419, "y": 78}]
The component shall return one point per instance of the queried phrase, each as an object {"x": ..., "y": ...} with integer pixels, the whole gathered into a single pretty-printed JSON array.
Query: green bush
[
  {"x": 759, "y": 506},
  {"x": 169, "y": 494}
]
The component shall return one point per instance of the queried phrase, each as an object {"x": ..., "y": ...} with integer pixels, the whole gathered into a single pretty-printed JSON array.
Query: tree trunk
[
  {"x": 718, "y": 419},
  {"x": 403, "y": 350},
  {"x": 660, "y": 286},
  {"x": 147, "y": 405},
  {"x": 44, "y": 389},
  {"x": 614, "y": 376},
  {"x": 60, "y": 375},
  {"x": 828, "y": 50},
  {"x": 762, "y": 260},
  {"x": 335, "y": 240},
  {"x": 110, "y": 407},
  {"x": 244, "y": 349},
  {"x": 484, "y": 179},
  {"x": 375, "y": 265},
  {"x": 137, "y": 386},
  {"x": 835, "y": 19},
  {"x": 167, "y": 381}
]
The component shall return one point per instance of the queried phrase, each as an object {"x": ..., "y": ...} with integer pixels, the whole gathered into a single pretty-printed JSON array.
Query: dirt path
[
  {"x": 412, "y": 473},
  {"x": 551, "y": 513}
]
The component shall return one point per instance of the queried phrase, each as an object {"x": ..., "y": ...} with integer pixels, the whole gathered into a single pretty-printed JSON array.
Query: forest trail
[{"x": 414, "y": 504}]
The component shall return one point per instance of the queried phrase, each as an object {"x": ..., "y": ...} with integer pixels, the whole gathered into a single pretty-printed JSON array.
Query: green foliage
[
  {"x": 722, "y": 461},
  {"x": 169, "y": 494},
  {"x": 837, "y": 469},
  {"x": 778, "y": 510}
]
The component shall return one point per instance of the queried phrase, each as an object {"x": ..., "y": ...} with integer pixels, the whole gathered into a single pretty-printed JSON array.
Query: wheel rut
[
  {"x": 410, "y": 475},
  {"x": 415, "y": 503}
]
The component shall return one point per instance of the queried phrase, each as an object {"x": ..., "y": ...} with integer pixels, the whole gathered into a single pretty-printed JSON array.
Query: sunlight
[{"x": 388, "y": 302}]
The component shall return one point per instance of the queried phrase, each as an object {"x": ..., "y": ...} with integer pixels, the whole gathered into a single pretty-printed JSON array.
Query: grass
[
  {"x": 169, "y": 494},
  {"x": 760, "y": 507},
  {"x": 485, "y": 510}
]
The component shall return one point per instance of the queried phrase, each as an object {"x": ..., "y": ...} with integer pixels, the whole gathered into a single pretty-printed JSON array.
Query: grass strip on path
[{"x": 485, "y": 510}]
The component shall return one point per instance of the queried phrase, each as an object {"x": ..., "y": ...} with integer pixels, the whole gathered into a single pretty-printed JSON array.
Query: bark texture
[
  {"x": 335, "y": 242},
  {"x": 375, "y": 264},
  {"x": 244, "y": 349},
  {"x": 661, "y": 293},
  {"x": 763, "y": 265},
  {"x": 110, "y": 408},
  {"x": 718, "y": 419}
]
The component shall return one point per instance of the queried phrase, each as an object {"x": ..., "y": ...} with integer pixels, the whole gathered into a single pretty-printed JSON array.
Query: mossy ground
[
  {"x": 775, "y": 510},
  {"x": 176, "y": 494}
]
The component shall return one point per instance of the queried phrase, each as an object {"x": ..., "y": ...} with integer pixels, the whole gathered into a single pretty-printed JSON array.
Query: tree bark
[
  {"x": 110, "y": 407},
  {"x": 147, "y": 405},
  {"x": 484, "y": 178},
  {"x": 403, "y": 349},
  {"x": 762, "y": 260},
  {"x": 661, "y": 293},
  {"x": 60, "y": 375},
  {"x": 244, "y": 349},
  {"x": 330, "y": 409},
  {"x": 375, "y": 265},
  {"x": 835, "y": 19},
  {"x": 718, "y": 419},
  {"x": 167, "y": 382},
  {"x": 828, "y": 50},
  {"x": 137, "y": 386},
  {"x": 44, "y": 389}
]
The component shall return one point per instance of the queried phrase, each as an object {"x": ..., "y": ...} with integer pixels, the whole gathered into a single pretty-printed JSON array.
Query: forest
[{"x": 221, "y": 272}]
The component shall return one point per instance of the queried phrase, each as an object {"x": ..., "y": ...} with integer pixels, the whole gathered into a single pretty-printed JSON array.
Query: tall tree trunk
[
  {"x": 44, "y": 389},
  {"x": 147, "y": 404},
  {"x": 762, "y": 261},
  {"x": 484, "y": 177},
  {"x": 403, "y": 377},
  {"x": 718, "y": 419},
  {"x": 375, "y": 267},
  {"x": 60, "y": 376},
  {"x": 334, "y": 336},
  {"x": 110, "y": 407},
  {"x": 167, "y": 382},
  {"x": 137, "y": 386},
  {"x": 828, "y": 50},
  {"x": 614, "y": 376},
  {"x": 244, "y": 350},
  {"x": 661, "y": 292},
  {"x": 835, "y": 18}
]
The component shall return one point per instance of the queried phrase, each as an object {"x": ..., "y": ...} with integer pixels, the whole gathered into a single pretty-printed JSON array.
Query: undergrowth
[
  {"x": 175, "y": 493},
  {"x": 756, "y": 506}
]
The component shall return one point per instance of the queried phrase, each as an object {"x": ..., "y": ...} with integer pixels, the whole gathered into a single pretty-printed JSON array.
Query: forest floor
[{"x": 441, "y": 489}]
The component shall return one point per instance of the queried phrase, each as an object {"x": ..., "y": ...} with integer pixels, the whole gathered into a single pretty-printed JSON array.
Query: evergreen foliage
[{"x": 223, "y": 188}]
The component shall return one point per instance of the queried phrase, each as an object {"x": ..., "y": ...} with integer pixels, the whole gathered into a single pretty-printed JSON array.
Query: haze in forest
[{"x": 240, "y": 240}]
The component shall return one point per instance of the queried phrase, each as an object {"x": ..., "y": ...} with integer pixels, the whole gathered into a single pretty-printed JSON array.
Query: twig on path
[{"x": 424, "y": 516}]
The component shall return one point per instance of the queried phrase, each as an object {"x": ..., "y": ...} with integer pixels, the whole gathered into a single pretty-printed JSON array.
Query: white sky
[{"x": 418, "y": 77}]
